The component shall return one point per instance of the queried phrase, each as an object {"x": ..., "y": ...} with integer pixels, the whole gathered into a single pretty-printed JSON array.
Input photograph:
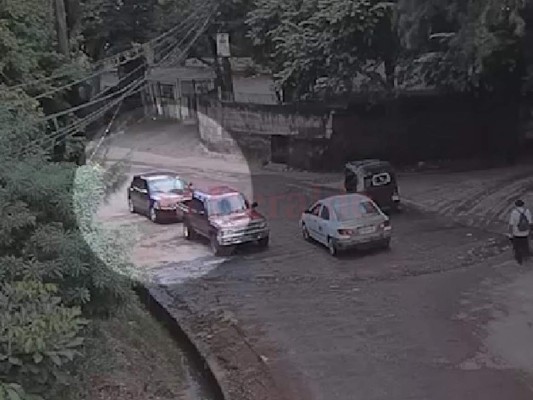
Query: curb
[{"x": 152, "y": 296}]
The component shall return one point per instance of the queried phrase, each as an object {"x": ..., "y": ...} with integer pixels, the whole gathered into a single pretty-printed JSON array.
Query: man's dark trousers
[{"x": 521, "y": 248}]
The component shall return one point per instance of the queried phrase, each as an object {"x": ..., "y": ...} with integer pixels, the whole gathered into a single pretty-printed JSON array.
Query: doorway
[{"x": 279, "y": 149}]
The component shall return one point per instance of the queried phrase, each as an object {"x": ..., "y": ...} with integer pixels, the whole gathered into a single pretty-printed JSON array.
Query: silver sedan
[{"x": 346, "y": 221}]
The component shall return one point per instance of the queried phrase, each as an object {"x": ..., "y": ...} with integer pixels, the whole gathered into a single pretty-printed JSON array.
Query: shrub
[{"x": 38, "y": 335}]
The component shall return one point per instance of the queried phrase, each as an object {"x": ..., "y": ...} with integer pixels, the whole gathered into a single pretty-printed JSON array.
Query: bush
[
  {"x": 12, "y": 391},
  {"x": 38, "y": 335}
]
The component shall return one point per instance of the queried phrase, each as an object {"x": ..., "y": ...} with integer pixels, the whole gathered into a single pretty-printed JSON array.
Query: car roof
[
  {"x": 343, "y": 199},
  {"x": 214, "y": 191},
  {"x": 153, "y": 175}
]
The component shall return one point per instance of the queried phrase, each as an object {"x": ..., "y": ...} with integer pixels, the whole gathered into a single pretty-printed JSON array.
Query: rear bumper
[{"x": 363, "y": 241}]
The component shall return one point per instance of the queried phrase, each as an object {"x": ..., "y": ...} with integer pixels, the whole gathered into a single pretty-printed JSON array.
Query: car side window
[
  {"x": 325, "y": 213},
  {"x": 136, "y": 184},
  {"x": 197, "y": 205},
  {"x": 315, "y": 210},
  {"x": 142, "y": 184}
]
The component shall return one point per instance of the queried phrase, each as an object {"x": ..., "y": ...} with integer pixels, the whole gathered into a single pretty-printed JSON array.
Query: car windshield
[
  {"x": 166, "y": 185},
  {"x": 227, "y": 205},
  {"x": 350, "y": 210}
]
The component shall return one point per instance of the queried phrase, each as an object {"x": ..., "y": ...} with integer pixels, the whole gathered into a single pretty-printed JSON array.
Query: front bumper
[
  {"x": 363, "y": 241},
  {"x": 245, "y": 237},
  {"x": 172, "y": 211}
]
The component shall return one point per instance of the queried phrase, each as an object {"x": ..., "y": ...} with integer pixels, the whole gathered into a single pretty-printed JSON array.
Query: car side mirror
[
  {"x": 307, "y": 211},
  {"x": 255, "y": 205}
]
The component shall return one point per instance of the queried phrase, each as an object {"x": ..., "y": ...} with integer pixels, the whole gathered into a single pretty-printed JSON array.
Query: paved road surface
[{"x": 422, "y": 321}]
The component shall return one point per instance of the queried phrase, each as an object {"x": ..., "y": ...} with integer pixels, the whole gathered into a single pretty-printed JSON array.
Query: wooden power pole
[{"x": 62, "y": 29}]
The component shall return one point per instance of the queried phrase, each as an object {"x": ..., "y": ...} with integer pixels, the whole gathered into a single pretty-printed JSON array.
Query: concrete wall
[
  {"x": 250, "y": 126},
  {"x": 404, "y": 131}
]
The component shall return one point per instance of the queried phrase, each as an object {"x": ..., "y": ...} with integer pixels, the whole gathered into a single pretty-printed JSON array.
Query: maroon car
[
  {"x": 157, "y": 195},
  {"x": 225, "y": 217}
]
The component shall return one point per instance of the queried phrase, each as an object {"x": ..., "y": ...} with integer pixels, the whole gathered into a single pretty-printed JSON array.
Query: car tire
[
  {"x": 217, "y": 249},
  {"x": 263, "y": 243},
  {"x": 332, "y": 248},
  {"x": 131, "y": 206},
  {"x": 152, "y": 214},
  {"x": 305, "y": 233}
]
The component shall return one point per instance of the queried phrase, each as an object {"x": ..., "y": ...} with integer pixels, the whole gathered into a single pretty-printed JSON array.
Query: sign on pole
[{"x": 223, "y": 45}]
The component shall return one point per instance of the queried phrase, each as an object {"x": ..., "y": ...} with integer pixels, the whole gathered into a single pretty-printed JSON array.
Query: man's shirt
[{"x": 515, "y": 219}]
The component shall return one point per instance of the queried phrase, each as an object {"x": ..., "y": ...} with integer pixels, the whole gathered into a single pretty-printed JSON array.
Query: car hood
[{"x": 237, "y": 220}]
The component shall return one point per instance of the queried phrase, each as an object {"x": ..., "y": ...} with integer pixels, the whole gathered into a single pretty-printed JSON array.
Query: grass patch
[{"x": 131, "y": 356}]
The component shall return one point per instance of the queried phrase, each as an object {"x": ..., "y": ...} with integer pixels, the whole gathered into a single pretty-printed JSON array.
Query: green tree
[
  {"x": 327, "y": 47},
  {"x": 474, "y": 46}
]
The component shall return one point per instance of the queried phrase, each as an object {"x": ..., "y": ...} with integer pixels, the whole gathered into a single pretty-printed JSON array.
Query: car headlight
[{"x": 225, "y": 232}]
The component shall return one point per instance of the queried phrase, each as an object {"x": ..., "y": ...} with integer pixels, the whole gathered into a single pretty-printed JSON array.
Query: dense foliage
[
  {"x": 337, "y": 45},
  {"x": 325, "y": 45},
  {"x": 55, "y": 261}
]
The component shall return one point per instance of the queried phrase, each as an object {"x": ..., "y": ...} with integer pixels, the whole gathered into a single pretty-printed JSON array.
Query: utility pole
[
  {"x": 60, "y": 145},
  {"x": 62, "y": 29},
  {"x": 223, "y": 51}
]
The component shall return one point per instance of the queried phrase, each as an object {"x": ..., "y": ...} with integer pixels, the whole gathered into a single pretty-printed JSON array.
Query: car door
[
  {"x": 323, "y": 224},
  {"x": 198, "y": 217},
  {"x": 134, "y": 194},
  {"x": 312, "y": 220},
  {"x": 144, "y": 197}
]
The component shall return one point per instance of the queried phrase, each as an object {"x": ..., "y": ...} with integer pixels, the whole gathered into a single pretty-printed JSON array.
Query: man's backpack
[{"x": 523, "y": 223}]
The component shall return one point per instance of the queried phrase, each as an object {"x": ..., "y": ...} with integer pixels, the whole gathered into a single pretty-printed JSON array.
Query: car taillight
[{"x": 345, "y": 232}]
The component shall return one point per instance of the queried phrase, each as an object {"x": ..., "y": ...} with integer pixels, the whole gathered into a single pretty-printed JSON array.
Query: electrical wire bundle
[{"x": 175, "y": 42}]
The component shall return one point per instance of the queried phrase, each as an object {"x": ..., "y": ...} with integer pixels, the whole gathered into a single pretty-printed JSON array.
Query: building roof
[{"x": 169, "y": 75}]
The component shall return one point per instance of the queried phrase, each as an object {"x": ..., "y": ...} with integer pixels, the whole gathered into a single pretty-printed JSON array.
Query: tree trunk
[
  {"x": 73, "y": 18},
  {"x": 62, "y": 30}
]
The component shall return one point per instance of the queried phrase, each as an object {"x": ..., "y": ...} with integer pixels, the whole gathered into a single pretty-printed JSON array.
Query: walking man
[{"x": 519, "y": 230}]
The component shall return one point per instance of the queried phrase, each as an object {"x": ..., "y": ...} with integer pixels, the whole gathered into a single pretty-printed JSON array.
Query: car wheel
[
  {"x": 153, "y": 215},
  {"x": 219, "y": 250},
  {"x": 332, "y": 247},
  {"x": 131, "y": 206},
  {"x": 305, "y": 233},
  {"x": 263, "y": 243}
]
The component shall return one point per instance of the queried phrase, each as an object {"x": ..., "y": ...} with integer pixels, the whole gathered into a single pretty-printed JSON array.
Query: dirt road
[{"x": 440, "y": 316}]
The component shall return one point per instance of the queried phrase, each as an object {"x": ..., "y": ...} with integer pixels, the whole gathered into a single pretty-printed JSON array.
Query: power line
[
  {"x": 94, "y": 101},
  {"x": 86, "y": 78},
  {"x": 74, "y": 127},
  {"x": 134, "y": 52}
]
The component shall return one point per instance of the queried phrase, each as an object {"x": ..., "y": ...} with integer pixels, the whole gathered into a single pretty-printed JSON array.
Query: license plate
[{"x": 367, "y": 230}]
